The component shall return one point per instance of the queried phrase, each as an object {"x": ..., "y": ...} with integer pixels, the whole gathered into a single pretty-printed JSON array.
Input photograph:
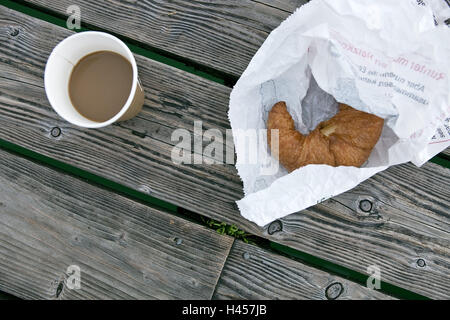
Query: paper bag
[{"x": 389, "y": 58}]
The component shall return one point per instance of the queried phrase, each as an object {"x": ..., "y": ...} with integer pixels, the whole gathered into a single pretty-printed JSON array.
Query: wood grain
[
  {"x": 446, "y": 153},
  {"x": 226, "y": 33},
  {"x": 125, "y": 250},
  {"x": 219, "y": 34},
  {"x": 6, "y": 296},
  {"x": 409, "y": 219},
  {"x": 254, "y": 273}
]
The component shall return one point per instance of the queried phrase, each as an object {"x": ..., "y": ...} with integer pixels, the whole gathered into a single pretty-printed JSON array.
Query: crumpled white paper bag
[{"x": 389, "y": 58}]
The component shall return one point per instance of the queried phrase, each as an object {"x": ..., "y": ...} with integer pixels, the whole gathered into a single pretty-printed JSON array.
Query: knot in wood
[
  {"x": 55, "y": 132},
  {"x": 421, "y": 263},
  {"x": 274, "y": 227},
  {"x": 14, "y": 32},
  {"x": 334, "y": 290},
  {"x": 365, "y": 205}
]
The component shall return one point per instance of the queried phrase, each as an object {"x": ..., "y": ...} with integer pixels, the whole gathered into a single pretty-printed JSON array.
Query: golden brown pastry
[{"x": 347, "y": 139}]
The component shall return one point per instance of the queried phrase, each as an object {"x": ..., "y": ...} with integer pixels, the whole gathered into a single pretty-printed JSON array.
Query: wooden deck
[{"x": 127, "y": 249}]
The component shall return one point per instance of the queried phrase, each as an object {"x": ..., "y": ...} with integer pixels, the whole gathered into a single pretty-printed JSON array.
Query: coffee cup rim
[{"x": 130, "y": 57}]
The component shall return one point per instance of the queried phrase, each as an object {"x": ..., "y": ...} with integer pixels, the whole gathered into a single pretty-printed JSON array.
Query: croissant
[{"x": 347, "y": 139}]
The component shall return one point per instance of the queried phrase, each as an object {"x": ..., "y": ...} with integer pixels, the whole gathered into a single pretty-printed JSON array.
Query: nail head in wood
[
  {"x": 421, "y": 263},
  {"x": 14, "y": 32},
  {"x": 178, "y": 241},
  {"x": 246, "y": 255},
  {"x": 334, "y": 290},
  {"x": 55, "y": 132},
  {"x": 365, "y": 205},
  {"x": 274, "y": 227}
]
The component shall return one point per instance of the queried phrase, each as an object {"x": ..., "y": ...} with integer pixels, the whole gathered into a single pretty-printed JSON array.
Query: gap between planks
[
  {"x": 325, "y": 266},
  {"x": 51, "y": 220}
]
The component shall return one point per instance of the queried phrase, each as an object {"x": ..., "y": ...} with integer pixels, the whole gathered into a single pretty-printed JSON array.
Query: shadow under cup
[{"x": 64, "y": 58}]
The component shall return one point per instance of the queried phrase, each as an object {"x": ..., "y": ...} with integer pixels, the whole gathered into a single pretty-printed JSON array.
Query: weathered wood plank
[
  {"x": 409, "y": 224},
  {"x": 125, "y": 250},
  {"x": 412, "y": 203},
  {"x": 219, "y": 34},
  {"x": 49, "y": 221},
  {"x": 236, "y": 28},
  {"x": 254, "y": 273}
]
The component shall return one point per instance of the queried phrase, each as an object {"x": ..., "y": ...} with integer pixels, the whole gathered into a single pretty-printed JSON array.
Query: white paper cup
[{"x": 59, "y": 67}]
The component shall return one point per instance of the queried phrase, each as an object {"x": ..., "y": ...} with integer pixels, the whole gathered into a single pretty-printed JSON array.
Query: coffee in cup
[{"x": 91, "y": 80}]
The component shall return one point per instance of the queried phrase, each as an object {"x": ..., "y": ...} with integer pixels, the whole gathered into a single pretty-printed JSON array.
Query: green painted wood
[
  {"x": 125, "y": 250},
  {"x": 446, "y": 153},
  {"x": 409, "y": 220}
]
